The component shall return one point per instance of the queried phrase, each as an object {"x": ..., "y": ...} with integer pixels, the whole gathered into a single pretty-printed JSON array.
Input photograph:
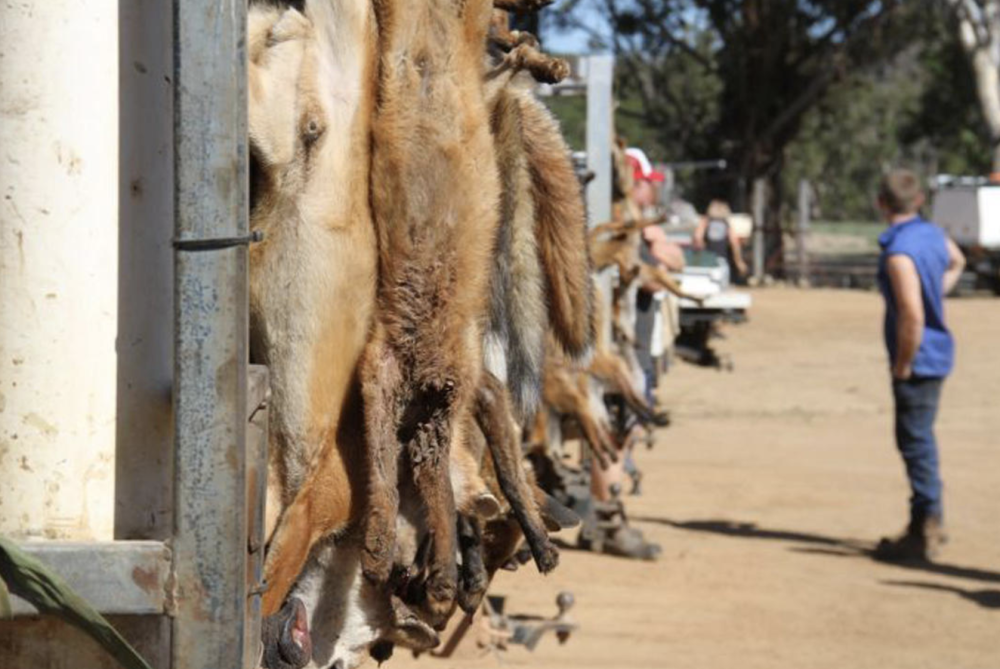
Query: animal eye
[{"x": 311, "y": 131}]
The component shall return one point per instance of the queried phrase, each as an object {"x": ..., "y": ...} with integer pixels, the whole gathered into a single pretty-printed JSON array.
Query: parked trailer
[{"x": 969, "y": 211}]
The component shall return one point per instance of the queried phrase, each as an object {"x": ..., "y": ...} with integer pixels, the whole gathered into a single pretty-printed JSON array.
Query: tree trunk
[
  {"x": 988, "y": 87},
  {"x": 983, "y": 49},
  {"x": 774, "y": 238},
  {"x": 766, "y": 163}
]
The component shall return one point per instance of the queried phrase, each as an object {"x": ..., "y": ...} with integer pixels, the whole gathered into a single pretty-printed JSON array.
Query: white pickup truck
[
  {"x": 968, "y": 209},
  {"x": 705, "y": 274}
]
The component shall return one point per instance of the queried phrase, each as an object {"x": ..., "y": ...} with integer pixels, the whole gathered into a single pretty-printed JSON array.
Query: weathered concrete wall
[
  {"x": 45, "y": 642},
  {"x": 58, "y": 267}
]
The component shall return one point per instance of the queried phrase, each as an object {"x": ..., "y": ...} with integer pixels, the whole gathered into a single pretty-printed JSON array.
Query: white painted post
[
  {"x": 58, "y": 267},
  {"x": 759, "y": 193},
  {"x": 600, "y": 134},
  {"x": 600, "y": 131}
]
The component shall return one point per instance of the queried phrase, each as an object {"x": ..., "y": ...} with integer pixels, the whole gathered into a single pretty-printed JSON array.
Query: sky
[{"x": 571, "y": 41}]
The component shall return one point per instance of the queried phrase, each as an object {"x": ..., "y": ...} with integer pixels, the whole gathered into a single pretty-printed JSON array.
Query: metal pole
[
  {"x": 600, "y": 130},
  {"x": 600, "y": 134},
  {"x": 210, "y": 330},
  {"x": 759, "y": 195},
  {"x": 802, "y": 231}
]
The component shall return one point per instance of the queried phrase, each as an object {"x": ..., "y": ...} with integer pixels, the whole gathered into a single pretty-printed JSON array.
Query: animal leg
[
  {"x": 562, "y": 394},
  {"x": 523, "y": 54},
  {"x": 322, "y": 506},
  {"x": 428, "y": 450},
  {"x": 493, "y": 415},
  {"x": 381, "y": 380},
  {"x": 288, "y": 552},
  {"x": 609, "y": 370},
  {"x": 474, "y": 580}
]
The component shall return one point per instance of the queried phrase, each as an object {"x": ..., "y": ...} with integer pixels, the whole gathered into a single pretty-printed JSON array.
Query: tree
[
  {"x": 979, "y": 31},
  {"x": 773, "y": 61},
  {"x": 917, "y": 109}
]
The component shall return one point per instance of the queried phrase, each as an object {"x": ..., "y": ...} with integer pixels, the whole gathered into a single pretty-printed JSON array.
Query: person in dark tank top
[{"x": 715, "y": 234}]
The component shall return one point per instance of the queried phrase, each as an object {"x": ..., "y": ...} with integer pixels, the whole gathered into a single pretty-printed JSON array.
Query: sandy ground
[{"x": 765, "y": 493}]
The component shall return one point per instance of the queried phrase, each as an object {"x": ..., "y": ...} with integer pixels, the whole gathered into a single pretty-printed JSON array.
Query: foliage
[
  {"x": 918, "y": 109},
  {"x": 947, "y": 125},
  {"x": 830, "y": 91},
  {"x": 735, "y": 78},
  {"x": 571, "y": 111}
]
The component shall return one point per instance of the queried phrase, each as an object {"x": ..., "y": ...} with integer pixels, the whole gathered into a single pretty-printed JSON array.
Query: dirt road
[{"x": 765, "y": 493}]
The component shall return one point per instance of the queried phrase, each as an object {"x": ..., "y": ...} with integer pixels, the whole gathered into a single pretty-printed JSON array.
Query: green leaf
[
  {"x": 6, "y": 612},
  {"x": 46, "y": 591}
]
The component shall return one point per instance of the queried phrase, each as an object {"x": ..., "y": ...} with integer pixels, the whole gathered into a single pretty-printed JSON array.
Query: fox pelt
[
  {"x": 434, "y": 199},
  {"x": 541, "y": 266}
]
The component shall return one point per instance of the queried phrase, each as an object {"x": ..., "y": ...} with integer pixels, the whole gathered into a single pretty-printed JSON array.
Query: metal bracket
[
  {"x": 214, "y": 244},
  {"x": 115, "y": 577}
]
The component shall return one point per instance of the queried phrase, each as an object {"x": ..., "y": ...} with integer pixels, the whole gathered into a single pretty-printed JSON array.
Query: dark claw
[{"x": 381, "y": 651}]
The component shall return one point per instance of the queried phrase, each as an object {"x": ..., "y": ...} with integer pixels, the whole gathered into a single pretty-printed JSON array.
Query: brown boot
[{"x": 921, "y": 542}]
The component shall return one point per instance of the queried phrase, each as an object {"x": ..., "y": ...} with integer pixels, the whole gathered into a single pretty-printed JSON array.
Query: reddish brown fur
[
  {"x": 560, "y": 225},
  {"x": 608, "y": 367},
  {"x": 495, "y": 419},
  {"x": 565, "y": 390},
  {"x": 434, "y": 198},
  {"x": 312, "y": 279}
]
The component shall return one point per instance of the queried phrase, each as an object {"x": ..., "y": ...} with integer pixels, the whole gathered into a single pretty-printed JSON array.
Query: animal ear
[
  {"x": 556, "y": 516},
  {"x": 292, "y": 25},
  {"x": 487, "y": 507},
  {"x": 410, "y": 631},
  {"x": 268, "y": 26}
]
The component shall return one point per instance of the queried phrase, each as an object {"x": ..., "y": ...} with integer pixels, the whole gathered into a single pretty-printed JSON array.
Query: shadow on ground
[
  {"x": 819, "y": 544},
  {"x": 988, "y": 599}
]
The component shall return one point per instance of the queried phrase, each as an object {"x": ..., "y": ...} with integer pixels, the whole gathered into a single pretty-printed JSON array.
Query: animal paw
[
  {"x": 546, "y": 557},
  {"x": 380, "y": 540},
  {"x": 441, "y": 590}
]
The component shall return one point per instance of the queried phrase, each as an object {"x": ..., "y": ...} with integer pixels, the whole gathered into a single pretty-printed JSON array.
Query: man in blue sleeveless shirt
[{"x": 919, "y": 265}]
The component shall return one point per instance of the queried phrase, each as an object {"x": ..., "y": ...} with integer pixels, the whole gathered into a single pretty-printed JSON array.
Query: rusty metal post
[
  {"x": 257, "y": 422},
  {"x": 210, "y": 330}
]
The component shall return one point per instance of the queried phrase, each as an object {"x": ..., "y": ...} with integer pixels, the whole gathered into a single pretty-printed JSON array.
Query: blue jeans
[
  {"x": 916, "y": 408},
  {"x": 650, "y": 374}
]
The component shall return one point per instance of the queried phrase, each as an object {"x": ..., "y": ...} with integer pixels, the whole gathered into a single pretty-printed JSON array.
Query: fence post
[
  {"x": 210, "y": 330},
  {"x": 759, "y": 196},
  {"x": 802, "y": 232},
  {"x": 600, "y": 130}
]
